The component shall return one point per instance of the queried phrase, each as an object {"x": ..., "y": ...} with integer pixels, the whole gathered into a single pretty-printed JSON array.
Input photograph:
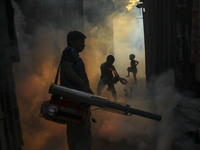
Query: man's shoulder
[
  {"x": 67, "y": 51},
  {"x": 107, "y": 66},
  {"x": 103, "y": 65},
  {"x": 67, "y": 55},
  {"x": 112, "y": 67}
]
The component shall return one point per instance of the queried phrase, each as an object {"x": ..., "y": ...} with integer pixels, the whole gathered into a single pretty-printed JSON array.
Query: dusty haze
[{"x": 37, "y": 70}]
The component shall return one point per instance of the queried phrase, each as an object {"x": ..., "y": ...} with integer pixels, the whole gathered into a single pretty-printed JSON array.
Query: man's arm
[
  {"x": 69, "y": 73},
  {"x": 117, "y": 77},
  {"x": 115, "y": 71}
]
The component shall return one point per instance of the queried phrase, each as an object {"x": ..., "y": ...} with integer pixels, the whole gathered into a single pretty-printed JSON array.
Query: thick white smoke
[{"x": 40, "y": 53}]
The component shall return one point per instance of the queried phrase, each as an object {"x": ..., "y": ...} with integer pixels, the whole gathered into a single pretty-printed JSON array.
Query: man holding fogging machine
[
  {"x": 73, "y": 75},
  {"x": 75, "y": 85}
]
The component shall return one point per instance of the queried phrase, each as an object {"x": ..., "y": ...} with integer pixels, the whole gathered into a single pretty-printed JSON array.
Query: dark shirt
[
  {"x": 70, "y": 55},
  {"x": 107, "y": 73}
]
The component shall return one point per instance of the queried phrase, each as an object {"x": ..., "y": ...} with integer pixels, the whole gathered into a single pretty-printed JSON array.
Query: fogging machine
[{"x": 72, "y": 106}]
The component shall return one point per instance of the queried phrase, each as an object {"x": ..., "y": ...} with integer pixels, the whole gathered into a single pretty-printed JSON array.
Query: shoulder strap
[
  {"x": 57, "y": 74},
  {"x": 58, "y": 70}
]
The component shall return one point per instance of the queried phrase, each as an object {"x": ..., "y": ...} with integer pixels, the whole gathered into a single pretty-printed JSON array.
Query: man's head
[
  {"x": 76, "y": 40},
  {"x": 110, "y": 59}
]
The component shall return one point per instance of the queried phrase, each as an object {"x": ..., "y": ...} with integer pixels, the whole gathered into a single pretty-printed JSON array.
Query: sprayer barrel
[
  {"x": 98, "y": 101},
  {"x": 145, "y": 114},
  {"x": 127, "y": 110}
]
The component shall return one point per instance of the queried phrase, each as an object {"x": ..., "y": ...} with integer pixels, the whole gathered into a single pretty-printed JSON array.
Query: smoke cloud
[{"x": 40, "y": 54}]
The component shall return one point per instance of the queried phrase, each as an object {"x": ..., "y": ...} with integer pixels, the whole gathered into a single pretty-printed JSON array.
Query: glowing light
[{"x": 131, "y": 4}]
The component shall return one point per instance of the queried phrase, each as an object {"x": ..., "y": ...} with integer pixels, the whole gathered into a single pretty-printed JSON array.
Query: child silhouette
[{"x": 133, "y": 67}]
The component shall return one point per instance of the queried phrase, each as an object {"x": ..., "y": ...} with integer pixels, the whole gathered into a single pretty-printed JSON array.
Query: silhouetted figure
[
  {"x": 133, "y": 67},
  {"x": 109, "y": 76},
  {"x": 73, "y": 76}
]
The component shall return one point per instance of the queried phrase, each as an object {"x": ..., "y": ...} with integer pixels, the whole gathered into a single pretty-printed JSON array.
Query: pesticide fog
[{"x": 40, "y": 54}]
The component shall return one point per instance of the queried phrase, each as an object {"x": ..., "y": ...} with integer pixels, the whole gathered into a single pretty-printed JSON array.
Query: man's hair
[
  {"x": 73, "y": 36},
  {"x": 110, "y": 58}
]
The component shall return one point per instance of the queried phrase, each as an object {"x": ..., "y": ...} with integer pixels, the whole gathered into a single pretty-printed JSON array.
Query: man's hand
[{"x": 122, "y": 80}]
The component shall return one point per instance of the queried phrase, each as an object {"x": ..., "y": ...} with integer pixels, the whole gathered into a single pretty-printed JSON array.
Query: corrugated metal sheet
[
  {"x": 159, "y": 27},
  {"x": 167, "y": 30},
  {"x": 196, "y": 37}
]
